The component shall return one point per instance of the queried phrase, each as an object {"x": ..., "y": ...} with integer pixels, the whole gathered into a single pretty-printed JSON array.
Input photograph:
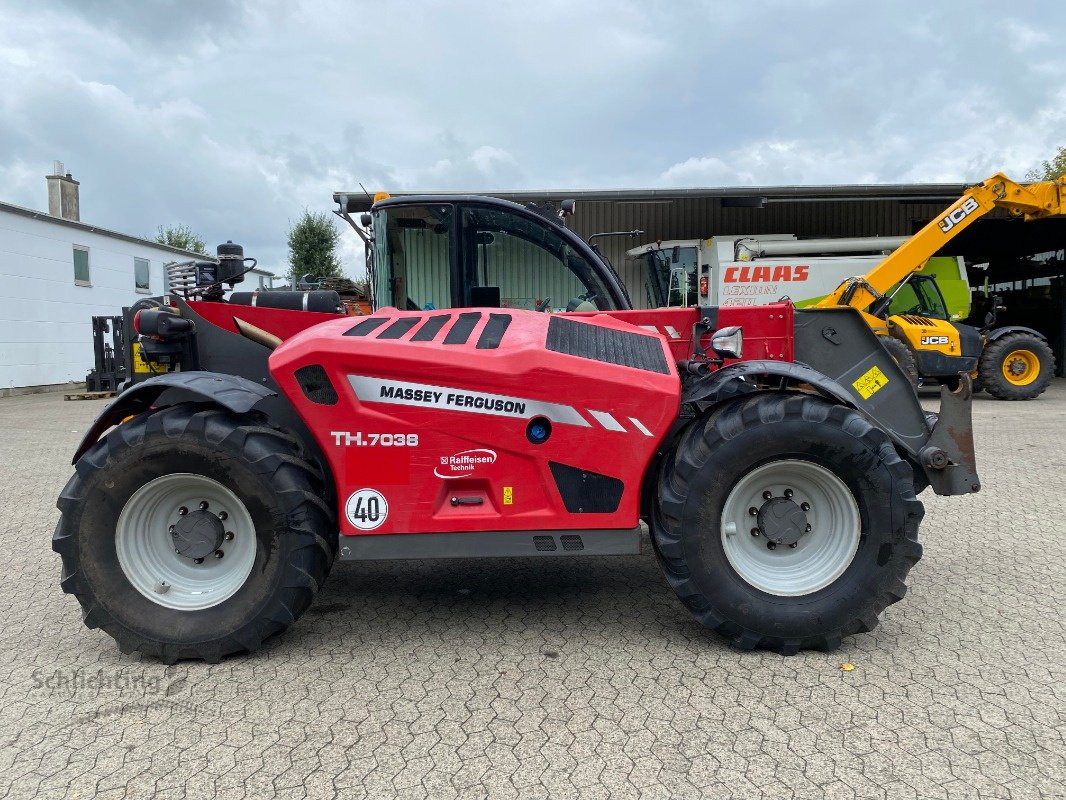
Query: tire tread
[
  {"x": 990, "y": 375},
  {"x": 693, "y": 454},
  {"x": 278, "y": 458}
]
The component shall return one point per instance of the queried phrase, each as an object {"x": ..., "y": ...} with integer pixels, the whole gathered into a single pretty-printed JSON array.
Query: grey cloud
[
  {"x": 233, "y": 117},
  {"x": 159, "y": 20}
]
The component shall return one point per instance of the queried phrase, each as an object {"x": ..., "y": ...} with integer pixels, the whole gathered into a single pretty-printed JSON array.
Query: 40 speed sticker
[{"x": 366, "y": 509}]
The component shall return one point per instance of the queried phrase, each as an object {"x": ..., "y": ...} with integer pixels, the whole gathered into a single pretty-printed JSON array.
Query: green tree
[
  {"x": 313, "y": 248},
  {"x": 181, "y": 237},
  {"x": 1049, "y": 170}
]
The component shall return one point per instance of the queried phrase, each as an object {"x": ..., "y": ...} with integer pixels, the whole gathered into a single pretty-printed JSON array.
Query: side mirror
[
  {"x": 366, "y": 220},
  {"x": 566, "y": 208},
  {"x": 675, "y": 254}
]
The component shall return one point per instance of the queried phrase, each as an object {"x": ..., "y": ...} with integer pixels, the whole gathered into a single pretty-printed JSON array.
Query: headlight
[{"x": 728, "y": 342}]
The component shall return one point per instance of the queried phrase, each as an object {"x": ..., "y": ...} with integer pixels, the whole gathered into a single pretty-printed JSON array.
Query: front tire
[
  {"x": 1016, "y": 366},
  {"x": 796, "y": 461},
  {"x": 191, "y": 532}
]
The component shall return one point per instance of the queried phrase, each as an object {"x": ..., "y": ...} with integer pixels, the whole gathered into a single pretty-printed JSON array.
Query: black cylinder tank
[
  {"x": 230, "y": 263},
  {"x": 319, "y": 300}
]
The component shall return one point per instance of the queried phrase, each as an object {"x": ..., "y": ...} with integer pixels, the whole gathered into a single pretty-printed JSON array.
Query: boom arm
[{"x": 1033, "y": 201}]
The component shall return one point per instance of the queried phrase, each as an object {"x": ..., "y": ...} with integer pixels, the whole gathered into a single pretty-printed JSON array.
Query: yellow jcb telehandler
[{"x": 1011, "y": 363}]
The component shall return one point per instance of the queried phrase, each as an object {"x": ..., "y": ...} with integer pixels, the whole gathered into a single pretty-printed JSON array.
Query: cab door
[
  {"x": 514, "y": 259},
  {"x": 414, "y": 257}
]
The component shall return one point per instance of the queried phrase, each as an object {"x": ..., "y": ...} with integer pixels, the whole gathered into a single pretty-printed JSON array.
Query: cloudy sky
[{"x": 232, "y": 117}]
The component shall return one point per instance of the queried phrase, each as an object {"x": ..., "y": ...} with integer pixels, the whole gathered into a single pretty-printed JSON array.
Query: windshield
[
  {"x": 528, "y": 263},
  {"x": 920, "y": 295},
  {"x": 671, "y": 283}
]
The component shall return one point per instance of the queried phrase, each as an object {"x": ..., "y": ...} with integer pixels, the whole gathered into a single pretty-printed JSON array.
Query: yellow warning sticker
[
  {"x": 508, "y": 495},
  {"x": 873, "y": 380},
  {"x": 139, "y": 364}
]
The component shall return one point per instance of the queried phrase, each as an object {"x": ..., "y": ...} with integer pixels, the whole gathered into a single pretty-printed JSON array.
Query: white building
[{"x": 58, "y": 273}]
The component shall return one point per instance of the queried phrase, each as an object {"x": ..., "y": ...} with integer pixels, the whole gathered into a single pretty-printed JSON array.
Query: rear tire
[
  {"x": 840, "y": 576},
  {"x": 145, "y": 480},
  {"x": 1016, "y": 366},
  {"x": 903, "y": 356}
]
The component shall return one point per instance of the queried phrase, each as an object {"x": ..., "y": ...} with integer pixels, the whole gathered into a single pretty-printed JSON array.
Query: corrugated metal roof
[{"x": 701, "y": 217}]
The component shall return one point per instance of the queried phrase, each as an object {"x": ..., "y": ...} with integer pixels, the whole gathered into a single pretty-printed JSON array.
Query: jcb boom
[
  {"x": 1012, "y": 363},
  {"x": 774, "y": 453}
]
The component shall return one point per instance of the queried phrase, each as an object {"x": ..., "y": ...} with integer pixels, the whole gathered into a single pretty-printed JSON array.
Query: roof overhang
[
  {"x": 734, "y": 196},
  {"x": 84, "y": 226}
]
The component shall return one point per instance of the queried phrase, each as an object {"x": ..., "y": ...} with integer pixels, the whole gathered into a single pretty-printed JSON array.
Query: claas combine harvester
[{"x": 775, "y": 454}]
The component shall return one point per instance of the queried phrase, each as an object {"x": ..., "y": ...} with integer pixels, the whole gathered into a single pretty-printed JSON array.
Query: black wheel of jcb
[
  {"x": 194, "y": 533},
  {"x": 903, "y": 356},
  {"x": 1016, "y": 366},
  {"x": 786, "y": 522}
]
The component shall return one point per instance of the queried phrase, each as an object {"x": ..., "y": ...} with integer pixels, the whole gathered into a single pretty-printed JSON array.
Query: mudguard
[
  {"x": 733, "y": 380},
  {"x": 232, "y": 392},
  {"x": 838, "y": 355},
  {"x": 998, "y": 333},
  {"x": 909, "y": 428}
]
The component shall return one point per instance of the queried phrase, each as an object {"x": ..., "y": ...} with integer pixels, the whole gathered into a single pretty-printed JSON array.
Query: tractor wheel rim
[
  {"x": 146, "y": 545},
  {"x": 1021, "y": 367},
  {"x": 798, "y": 560}
]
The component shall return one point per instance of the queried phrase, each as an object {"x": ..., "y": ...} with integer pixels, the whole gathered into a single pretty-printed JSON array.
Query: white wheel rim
[
  {"x": 819, "y": 557},
  {"x": 146, "y": 547}
]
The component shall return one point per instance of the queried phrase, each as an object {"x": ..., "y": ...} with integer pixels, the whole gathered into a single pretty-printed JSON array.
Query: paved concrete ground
[{"x": 549, "y": 679}]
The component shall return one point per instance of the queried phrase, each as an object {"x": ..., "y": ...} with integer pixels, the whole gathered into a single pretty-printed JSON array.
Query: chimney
[{"x": 62, "y": 194}]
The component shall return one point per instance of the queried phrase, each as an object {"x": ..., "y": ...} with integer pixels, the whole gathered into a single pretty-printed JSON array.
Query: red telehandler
[{"x": 774, "y": 453}]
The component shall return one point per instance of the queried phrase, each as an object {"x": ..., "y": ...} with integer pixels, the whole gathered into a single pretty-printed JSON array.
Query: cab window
[
  {"x": 525, "y": 263},
  {"x": 919, "y": 296},
  {"x": 671, "y": 278}
]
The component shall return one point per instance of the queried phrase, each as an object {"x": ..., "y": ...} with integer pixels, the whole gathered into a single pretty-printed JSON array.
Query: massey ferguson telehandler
[{"x": 774, "y": 453}]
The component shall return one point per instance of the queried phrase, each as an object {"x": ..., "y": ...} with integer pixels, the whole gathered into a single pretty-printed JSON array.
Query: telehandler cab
[{"x": 774, "y": 453}]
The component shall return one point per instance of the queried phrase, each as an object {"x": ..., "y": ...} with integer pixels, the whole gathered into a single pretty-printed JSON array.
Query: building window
[
  {"x": 81, "y": 266},
  {"x": 141, "y": 275}
]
